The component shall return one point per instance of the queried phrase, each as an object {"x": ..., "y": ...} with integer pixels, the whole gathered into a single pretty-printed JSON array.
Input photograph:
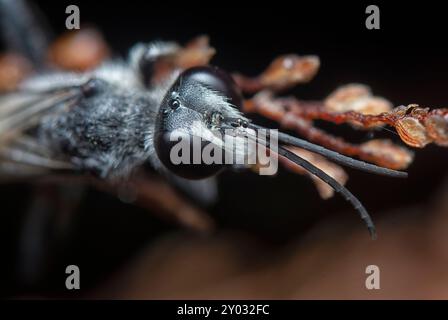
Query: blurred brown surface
[
  {"x": 79, "y": 50},
  {"x": 13, "y": 69},
  {"x": 329, "y": 262}
]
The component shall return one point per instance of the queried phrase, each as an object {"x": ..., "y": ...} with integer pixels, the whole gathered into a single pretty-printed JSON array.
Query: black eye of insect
[
  {"x": 189, "y": 122},
  {"x": 217, "y": 80}
]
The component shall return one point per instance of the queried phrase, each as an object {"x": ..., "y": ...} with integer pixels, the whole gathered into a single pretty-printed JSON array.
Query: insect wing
[{"x": 21, "y": 112}]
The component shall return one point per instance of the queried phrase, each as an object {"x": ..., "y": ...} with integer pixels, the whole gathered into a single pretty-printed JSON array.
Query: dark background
[{"x": 405, "y": 62}]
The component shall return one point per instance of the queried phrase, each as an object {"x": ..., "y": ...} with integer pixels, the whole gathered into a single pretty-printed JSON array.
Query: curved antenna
[
  {"x": 308, "y": 166},
  {"x": 337, "y": 157},
  {"x": 332, "y": 183}
]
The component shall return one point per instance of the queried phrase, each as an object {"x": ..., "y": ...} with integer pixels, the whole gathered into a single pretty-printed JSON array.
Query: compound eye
[
  {"x": 177, "y": 147},
  {"x": 164, "y": 144},
  {"x": 217, "y": 80}
]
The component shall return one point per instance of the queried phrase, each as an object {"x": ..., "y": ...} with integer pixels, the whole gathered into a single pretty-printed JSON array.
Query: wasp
[{"x": 111, "y": 120}]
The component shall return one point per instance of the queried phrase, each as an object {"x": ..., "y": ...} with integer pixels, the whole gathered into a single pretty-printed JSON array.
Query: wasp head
[{"x": 196, "y": 115}]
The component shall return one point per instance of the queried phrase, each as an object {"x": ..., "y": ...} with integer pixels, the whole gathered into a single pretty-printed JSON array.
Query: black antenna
[
  {"x": 334, "y": 184},
  {"x": 308, "y": 166},
  {"x": 337, "y": 157}
]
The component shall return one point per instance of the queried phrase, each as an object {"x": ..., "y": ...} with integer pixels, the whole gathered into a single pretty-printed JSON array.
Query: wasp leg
[
  {"x": 204, "y": 191},
  {"x": 45, "y": 229},
  {"x": 150, "y": 192},
  {"x": 283, "y": 73},
  {"x": 35, "y": 238}
]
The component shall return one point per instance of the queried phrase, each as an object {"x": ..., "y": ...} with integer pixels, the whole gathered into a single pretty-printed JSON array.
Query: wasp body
[{"x": 111, "y": 120}]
